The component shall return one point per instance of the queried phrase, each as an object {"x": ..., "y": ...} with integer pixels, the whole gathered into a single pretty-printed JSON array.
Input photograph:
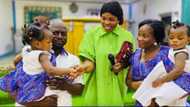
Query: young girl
[
  {"x": 178, "y": 39},
  {"x": 27, "y": 82}
]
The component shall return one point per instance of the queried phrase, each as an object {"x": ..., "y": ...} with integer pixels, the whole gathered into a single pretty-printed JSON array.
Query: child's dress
[
  {"x": 141, "y": 70},
  {"x": 27, "y": 82},
  {"x": 172, "y": 53}
]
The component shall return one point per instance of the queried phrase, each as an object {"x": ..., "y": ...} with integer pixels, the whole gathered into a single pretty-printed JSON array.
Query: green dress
[{"x": 102, "y": 86}]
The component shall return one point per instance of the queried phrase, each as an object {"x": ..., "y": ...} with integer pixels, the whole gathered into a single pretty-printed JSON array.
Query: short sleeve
[{"x": 87, "y": 48}]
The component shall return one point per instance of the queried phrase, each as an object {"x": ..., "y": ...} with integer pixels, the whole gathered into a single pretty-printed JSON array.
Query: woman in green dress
[{"x": 102, "y": 86}]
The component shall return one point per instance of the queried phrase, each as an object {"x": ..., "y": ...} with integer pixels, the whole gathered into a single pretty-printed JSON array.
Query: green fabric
[
  {"x": 102, "y": 86},
  {"x": 185, "y": 11}
]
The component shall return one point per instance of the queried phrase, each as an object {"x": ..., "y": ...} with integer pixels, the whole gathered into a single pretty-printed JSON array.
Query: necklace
[
  {"x": 142, "y": 56},
  {"x": 148, "y": 54}
]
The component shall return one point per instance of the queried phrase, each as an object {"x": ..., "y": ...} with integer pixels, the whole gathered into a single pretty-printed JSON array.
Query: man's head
[{"x": 59, "y": 31}]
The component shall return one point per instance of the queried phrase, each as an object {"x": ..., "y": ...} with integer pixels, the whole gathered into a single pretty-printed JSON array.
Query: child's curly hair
[
  {"x": 176, "y": 24},
  {"x": 33, "y": 31}
]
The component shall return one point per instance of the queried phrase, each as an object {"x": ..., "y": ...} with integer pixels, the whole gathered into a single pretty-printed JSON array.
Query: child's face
[
  {"x": 46, "y": 43},
  {"x": 178, "y": 37}
]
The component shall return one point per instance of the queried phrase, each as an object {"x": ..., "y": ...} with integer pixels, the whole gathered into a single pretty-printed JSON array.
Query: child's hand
[
  {"x": 17, "y": 59},
  {"x": 157, "y": 83}
]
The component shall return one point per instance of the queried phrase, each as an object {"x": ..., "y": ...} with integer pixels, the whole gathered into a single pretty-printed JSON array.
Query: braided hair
[{"x": 33, "y": 31}]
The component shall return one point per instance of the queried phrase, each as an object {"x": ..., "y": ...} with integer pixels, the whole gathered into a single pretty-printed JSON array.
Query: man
[
  {"x": 65, "y": 87},
  {"x": 62, "y": 86}
]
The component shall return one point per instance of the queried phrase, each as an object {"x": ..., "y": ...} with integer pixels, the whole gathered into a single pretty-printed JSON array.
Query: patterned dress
[
  {"x": 25, "y": 87},
  {"x": 140, "y": 70}
]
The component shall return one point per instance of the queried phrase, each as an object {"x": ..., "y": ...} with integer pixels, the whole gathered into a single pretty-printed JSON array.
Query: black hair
[
  {"x": 147, "y": 21},
  {"x": 114, "y": 8},
  {"x": 176, "y": 24},
  {"x": 33, "y": 31},
  {"x": 157, "y": 27}
]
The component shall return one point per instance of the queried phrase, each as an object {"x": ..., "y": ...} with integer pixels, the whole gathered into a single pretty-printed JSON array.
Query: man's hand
[{"x": 56, "y": 83}]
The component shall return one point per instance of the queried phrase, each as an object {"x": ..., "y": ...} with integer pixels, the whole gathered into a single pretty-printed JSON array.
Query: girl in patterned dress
[
  {"x": 178, "y": 40},
  {"x": 27, "y": 82}
]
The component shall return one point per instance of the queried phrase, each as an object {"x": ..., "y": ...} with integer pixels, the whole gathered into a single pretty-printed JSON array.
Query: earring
[{"x": 155, "y": 43}]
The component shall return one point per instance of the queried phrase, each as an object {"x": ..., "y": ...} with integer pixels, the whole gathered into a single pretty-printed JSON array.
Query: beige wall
[
  {"x": 153, "y": 9},
  {"x": 64, "y": 5},
  {"x": 6, "y": 44}
]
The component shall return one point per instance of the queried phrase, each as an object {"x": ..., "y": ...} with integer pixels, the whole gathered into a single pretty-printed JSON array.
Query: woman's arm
[
  {"x": 50, "y": 69},
  {"x": 86, "y": 66},
  {"x": 131, "y": 83}
]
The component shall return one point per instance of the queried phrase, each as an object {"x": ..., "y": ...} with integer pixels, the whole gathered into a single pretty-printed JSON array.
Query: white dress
[{"x": 186, "y": 50}]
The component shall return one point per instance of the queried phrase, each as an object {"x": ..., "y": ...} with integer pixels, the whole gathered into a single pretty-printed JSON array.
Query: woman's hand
[
  {"x": 116, "y": 68},
  {"x": 79, "y": 70}
]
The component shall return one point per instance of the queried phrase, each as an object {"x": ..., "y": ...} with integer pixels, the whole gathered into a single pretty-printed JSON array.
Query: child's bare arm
[
  {"x": 176, "y": 72},
  {"x": 17, "y": 59},
  {"x": 50, "y": 69}
]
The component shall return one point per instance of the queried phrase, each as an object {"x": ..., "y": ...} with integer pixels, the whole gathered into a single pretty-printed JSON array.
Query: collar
[
  {"x": 116, "y": 31},
  {"x": 63, "y": 52}
]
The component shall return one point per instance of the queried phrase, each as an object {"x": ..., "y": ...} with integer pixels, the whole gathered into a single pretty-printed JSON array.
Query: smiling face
[
  {"x": 145, "y": 37},
  {"x": 59, "y": 35},
  {"x": 178, "y": 37},
  {"x": 109, "y": 21}
]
